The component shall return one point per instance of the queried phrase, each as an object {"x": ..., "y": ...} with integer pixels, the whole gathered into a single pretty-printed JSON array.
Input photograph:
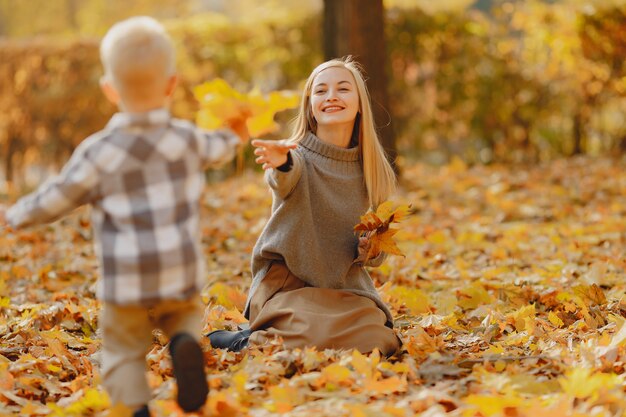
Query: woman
[{"x": 307, "y": 286}]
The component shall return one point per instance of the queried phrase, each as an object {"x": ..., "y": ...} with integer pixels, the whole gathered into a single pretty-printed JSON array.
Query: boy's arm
[
  {"x": 282, "y": 164},
  {"x": 74, "y": 186},
  {"x": 218, "y": 147}
]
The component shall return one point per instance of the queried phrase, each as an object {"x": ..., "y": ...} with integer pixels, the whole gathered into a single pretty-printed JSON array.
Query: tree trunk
[
  {"x": 578, "y": 134},
  {"x": 356, "y": 27},
  {"x": 9, "y": 158}
]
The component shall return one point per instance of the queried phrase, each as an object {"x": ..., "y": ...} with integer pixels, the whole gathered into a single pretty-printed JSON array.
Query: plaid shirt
[{"x": 143, "y": 175}]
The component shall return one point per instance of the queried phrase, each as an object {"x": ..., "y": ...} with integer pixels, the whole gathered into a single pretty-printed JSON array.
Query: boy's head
[{"x": 139, "y": 64}]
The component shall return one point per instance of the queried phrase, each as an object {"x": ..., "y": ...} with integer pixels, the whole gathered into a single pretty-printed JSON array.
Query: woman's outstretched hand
[{"x": 272, "y": 153}]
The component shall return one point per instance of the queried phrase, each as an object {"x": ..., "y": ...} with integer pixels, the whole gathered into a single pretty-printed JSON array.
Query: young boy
[{"x": 143, "y": 175}]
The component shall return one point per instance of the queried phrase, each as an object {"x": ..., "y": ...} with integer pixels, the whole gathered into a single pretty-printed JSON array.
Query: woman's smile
[{"x": 332, "y": 109}]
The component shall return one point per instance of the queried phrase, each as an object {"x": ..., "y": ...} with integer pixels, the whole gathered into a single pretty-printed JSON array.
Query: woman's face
[{"x": 334, "y": 97}]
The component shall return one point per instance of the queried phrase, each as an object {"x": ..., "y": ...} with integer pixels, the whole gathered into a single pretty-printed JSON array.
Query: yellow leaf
[
  {"x": 437, "y": 238},
  {"x": 357, "y": 410},
  {"x": 591, "y": 294},
  {"x": 239, "y": 382},
  {"x": 457, "y": 166},
  {"x": 555, "y": 320},
  {"x": 284, "y": 398},
  {"x": 229, "y": 297},
  {"x": 524, "y": 318},
  {"x": 361, "y": 364},
  {"x": 384, "y": 242},
  {"x": 384, "y": 211},
  {"x": 333, "y": 375},
  {"x": 393, "y": 411},
  {"x": 220, "y": 103},
  {"x": 583, "y": 383},
  {"x": 400, "y": 213},
  {"x": 262, "y": 124},
  {"x": 491, "y": 405},
  {"x": 398, "y": 367},
  {"x": 473, "y": 296},
  {"x": 495, "y": 350},
  {"x": 92, "y": 401},
  {"x": 386, "y": 386},
  {"x": 414, "y": 299},
  {"x": 53, "y": 368}
]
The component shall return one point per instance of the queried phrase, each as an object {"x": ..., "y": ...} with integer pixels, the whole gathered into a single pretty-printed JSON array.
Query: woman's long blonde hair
[{"x": 380, "y": 180}]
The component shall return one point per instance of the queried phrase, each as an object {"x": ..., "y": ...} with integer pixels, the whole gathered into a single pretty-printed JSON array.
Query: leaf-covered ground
[{"x": 509, "y": 302}]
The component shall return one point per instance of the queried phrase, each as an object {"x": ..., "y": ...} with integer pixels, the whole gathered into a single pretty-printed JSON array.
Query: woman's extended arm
[{"x": 274, "y": 155}]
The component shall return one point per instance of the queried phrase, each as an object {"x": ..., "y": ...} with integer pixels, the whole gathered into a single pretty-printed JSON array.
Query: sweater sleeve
[
  {"x": 283, "y": 183},
  {"x": 377, "y": 261}
]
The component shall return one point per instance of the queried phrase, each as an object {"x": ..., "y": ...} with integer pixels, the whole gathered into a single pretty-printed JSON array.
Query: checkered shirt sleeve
[
  {"x": 145, "y": 178},
  {"x": 73, "y": 187}
]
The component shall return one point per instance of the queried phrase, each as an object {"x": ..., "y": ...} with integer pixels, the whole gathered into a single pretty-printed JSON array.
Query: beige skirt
[{"x": 284, "y": 306}]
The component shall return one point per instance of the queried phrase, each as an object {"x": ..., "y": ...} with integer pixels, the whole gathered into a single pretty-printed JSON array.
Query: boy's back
[{"x": 144, "y": 176}]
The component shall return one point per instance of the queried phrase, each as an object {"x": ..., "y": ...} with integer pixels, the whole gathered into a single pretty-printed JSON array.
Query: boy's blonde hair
[
  {"x": 137, "y": 53},
  {"x": 380, "y": 179}
]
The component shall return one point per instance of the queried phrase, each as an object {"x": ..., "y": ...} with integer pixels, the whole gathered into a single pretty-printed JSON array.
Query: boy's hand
[
  {"x": 240, "y": 128},
  {"x": 272, "y": 153}
]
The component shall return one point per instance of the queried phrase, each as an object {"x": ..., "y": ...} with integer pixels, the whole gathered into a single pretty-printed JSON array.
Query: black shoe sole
[{"x": 188, "y": 364}]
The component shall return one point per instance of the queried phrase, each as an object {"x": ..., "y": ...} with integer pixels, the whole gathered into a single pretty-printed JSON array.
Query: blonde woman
[{"x": 307, "y": 287}]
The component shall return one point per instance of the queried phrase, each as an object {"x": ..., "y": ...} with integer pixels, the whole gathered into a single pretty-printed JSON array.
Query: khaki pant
[{"x": 127, "y": 338}]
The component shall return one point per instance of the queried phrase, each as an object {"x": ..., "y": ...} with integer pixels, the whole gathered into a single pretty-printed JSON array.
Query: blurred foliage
[
  {"x": 270, "y": 56},
  {"x": 50, "y": 101},
  {"x": 50, "y": 97},
  {"x": 530, "y": 80},
  {"x": 82, "y": 17},
  {"x": 94, "y": 17}
]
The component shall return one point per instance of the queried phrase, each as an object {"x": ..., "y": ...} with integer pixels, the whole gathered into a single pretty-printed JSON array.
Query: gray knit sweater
[{"x": 315, "y": 207}]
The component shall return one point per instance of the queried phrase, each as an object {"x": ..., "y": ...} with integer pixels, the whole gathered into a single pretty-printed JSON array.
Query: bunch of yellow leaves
[
  {"x": 221, "y": 104},
  {"x": 375, "y": 226}
]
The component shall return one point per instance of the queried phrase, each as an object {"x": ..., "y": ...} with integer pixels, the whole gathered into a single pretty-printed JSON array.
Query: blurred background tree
[
  {"x": 356, "y": 27},
  {"x": 484, "y": 80}
]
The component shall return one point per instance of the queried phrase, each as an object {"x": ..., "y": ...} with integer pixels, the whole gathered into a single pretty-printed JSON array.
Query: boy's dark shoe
[
  {"x": 233, "y": 341},
  {"x": 142, "y": 412},
  {"x": 188, "y": 363}
]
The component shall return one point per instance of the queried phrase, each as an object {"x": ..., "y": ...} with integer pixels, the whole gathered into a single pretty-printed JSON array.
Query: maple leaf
[
  {"x": 220, "y": 103},
  {"x": 375, "y": 227}
]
